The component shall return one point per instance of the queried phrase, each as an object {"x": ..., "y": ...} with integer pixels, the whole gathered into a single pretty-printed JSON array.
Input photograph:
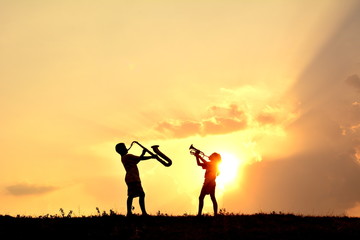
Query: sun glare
[{"x": 229, "y": 169}]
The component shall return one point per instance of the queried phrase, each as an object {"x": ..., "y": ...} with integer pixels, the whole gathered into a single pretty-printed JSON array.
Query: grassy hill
[{"x": 229, "y": 226}]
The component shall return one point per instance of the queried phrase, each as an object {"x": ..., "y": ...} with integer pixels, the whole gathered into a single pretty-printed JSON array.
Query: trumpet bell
[{"x": 196, "y": 152}]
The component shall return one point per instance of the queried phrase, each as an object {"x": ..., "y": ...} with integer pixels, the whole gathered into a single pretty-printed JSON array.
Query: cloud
[
  {"x": 220, "y": 120},
  {"x": 354, "y": 211},
  {"x": 354, "y": 81},
  {"x": 220, "y": 125},
  {"x": 323, "y": 175},
  {"x": 179, "y": 129},
  {"x": 21, "y": 189},
  {"x": 230, "y": 111},
  {"x": 266, "y": 118}
]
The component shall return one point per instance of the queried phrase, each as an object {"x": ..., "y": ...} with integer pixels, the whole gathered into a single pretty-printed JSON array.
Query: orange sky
[{"x": 273, "y": 86}]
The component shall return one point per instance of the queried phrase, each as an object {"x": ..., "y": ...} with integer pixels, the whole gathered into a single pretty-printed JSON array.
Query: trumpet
[
  {"x": 162, "y": 158},
  {"x": 196, "y": 152}
]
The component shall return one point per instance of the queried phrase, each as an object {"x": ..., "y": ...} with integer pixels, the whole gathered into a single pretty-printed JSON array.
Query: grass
[{"x": 225, "y": 226}]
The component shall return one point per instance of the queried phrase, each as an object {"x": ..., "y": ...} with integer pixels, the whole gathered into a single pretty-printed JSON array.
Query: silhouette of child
[
  {"x": 132, "y": 177},
  {"x": 209, "y": 185}
]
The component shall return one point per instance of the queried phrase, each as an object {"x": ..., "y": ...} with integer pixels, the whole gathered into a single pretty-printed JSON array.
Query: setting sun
[{"x": 229, "y": 170}]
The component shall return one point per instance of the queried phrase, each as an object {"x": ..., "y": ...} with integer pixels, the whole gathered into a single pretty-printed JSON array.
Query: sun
[{"x": 229, "y": 170}]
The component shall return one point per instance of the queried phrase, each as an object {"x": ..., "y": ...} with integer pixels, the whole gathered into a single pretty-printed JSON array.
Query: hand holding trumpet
[{"x": 196, "y": 152}]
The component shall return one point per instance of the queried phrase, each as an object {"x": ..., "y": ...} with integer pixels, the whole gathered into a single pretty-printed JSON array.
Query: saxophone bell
[{"x": 161, "y": 157}]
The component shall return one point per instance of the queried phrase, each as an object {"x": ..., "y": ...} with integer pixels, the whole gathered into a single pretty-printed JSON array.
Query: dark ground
[{"x": 258, "y": 226}]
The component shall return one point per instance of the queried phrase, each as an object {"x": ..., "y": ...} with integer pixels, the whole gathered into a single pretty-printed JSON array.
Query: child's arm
[
  {"x": 143, "y": 157},
  {"x": 200, "y": 161}
]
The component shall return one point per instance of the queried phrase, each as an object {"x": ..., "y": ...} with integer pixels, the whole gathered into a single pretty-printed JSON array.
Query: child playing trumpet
[{"x": 211, "y": 173}]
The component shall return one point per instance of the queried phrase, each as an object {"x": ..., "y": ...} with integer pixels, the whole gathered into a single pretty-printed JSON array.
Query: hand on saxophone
[{"x": 151, "y": 154}]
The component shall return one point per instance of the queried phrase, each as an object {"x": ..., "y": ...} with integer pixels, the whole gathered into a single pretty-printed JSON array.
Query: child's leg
[
  {"x": 215, "y": 205},
  {"x": 142, "y": 204},
  {"x": 201, "y": 203},
  {"x": 129, "y": 205}
]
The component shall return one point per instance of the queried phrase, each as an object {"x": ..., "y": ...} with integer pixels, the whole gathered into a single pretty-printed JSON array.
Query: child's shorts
[
  {"x": 208, "y": 187},
  {"x": 135, "y": 189}
]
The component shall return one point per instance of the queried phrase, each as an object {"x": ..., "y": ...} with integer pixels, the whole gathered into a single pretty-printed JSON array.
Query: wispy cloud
[
  {"x": 275, "y": 115},
  {"x": 226, "y": 119},
  {"x": 221, "y": 120},
  {"x": 354, "y": 81},
  {"x": 21, "y": 189}
]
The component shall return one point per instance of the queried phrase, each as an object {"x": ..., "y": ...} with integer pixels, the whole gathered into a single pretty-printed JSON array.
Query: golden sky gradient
[{"x": 273, "y": 86}]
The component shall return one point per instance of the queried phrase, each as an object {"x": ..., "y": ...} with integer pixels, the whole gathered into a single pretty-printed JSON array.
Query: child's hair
[
  {"x": 121, "y": 149},
  {"x": 215, "y": 157}
]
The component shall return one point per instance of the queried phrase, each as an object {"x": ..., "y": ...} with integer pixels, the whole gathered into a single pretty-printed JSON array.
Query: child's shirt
[
  {"x": 130, "y": 164},
  {"x": 211, "y": 170}
]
